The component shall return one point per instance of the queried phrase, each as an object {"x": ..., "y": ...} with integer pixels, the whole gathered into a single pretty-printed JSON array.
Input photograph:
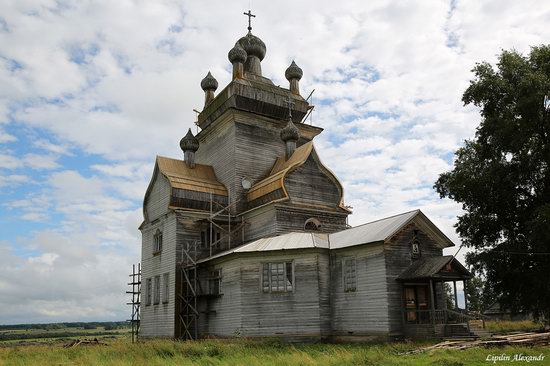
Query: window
[
  {"x": 415, "y": 249},
  {"x": 157, "y": 242},
  {"x": 277, "y": 277},
  {"x": 156, "y": 300},
  {"x": 215, "y": 282},
  {"x": 312, "y": 225},
  {"x": 349, "y": 274},
  {"x": 166, "y": 291},
  {"x": 148, "y": 291}
]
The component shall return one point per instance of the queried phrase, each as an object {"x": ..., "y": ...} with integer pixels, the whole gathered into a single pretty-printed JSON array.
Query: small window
[
  {"x": 157, "y": 242},
  {"x": 165, "y": 278},
  {"x": 349, "y": 274},
  {"x": 277, "y": 277},
  {"x": 148, "y": 291},
  {"x": 415, "y": 249},
  {"x": 312, "y": 224},
  {"x": 156, "y": 299},
  {"x": 215, "y": 282}
]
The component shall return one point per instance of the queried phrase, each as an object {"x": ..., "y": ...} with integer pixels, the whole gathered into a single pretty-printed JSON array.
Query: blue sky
[{"x": 92, "y": 91}]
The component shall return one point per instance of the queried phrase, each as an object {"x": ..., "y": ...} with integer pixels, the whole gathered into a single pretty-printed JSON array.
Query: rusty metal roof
[{"x": 199, "y": 179}]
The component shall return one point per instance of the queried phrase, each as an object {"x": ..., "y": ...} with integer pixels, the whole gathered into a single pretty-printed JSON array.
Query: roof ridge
[{"x": 384, "y": 218}]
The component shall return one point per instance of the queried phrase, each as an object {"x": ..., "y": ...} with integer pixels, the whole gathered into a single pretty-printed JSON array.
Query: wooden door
[{"x": 416, "y": 304}]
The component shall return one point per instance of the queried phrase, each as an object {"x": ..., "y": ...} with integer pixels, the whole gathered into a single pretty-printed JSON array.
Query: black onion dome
[
  {"x": 189, "y": 142},
  {"x": 290, "y": 132},
  {"x": 237, "y": 54},
  {"x": 293, "y": 72},
  {"x": 209, "y": 83},
  {"x": 253, "y": 46}
]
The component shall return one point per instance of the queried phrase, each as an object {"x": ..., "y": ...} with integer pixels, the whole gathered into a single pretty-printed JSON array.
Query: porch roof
[{"x": 439, "y": 268}]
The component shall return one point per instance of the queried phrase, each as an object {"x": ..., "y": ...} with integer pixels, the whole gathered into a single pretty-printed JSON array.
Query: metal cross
[
  {"x": 290, "y": 104},
  {"x": 250, "y": 16}
]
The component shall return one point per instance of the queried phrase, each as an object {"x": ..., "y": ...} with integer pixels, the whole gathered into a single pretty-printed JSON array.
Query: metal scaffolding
[{"x": 135, "y": 284}]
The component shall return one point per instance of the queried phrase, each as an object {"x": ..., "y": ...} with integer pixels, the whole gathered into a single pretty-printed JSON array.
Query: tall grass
[
  {"x": 244, "y": 352},
  {"x": 505, "y": 326}
]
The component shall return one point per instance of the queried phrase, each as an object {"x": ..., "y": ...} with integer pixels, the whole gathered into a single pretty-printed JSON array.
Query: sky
[{"x": 92, "y": 91}]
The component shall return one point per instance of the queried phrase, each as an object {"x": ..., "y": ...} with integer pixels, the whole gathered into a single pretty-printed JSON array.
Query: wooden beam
[
  {"x": 432, "y": 305},
  {"x": 456, "y": 296}
]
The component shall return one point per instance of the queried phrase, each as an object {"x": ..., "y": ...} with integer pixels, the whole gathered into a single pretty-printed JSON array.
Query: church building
[{"x": 247, "y": 235}]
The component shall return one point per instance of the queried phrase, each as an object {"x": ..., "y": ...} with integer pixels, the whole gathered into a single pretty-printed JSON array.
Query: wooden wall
[
  {"x": 244, "y": 309},
  {"x": 158, "y": 199},
  {"x": 158, "y": 320},
  {"x": 309, "y": 185},
  {"x": 365, "y": 311},
  {"x": 398, "y": 258}
]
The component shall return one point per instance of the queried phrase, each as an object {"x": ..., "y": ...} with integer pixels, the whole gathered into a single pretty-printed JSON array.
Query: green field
[{"x": 243, "y": 352}]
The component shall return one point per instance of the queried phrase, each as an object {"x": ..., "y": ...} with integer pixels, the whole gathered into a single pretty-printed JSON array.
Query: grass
[
  {"x": 244, "y": 352},
  {"x": 505, "y": 326}
]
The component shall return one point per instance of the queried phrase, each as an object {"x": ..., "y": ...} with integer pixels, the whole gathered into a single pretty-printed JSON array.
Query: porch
[{"x": 430, "y": 307}]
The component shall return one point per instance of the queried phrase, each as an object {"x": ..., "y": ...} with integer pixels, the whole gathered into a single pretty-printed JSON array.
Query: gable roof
[
  {"x": 384, "y": 229},
  {"x": 373, "y": 232},
  {"x": 434, "y": 267},
  {"x": 201, "y": 178},
  {"x": 273, "y": 184}
]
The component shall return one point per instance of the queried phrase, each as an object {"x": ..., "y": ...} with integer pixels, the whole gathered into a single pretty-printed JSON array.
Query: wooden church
[{"x": 247, "y": 235}]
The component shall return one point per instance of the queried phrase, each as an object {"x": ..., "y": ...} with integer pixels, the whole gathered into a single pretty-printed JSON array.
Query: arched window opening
[{"x": 312, "y": 224}]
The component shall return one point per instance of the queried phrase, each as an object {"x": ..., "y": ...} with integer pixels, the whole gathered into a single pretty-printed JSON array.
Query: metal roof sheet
[{"x": 371, "y": 232}]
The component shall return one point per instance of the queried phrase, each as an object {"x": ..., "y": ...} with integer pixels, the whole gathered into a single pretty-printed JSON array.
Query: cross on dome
[{"x": 250, "y": 16}]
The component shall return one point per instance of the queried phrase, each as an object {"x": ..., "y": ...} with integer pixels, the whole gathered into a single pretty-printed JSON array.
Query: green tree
[{"x": 502, "y": 179}]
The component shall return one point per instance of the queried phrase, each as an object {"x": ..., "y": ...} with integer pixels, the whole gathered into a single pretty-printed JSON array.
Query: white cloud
[{"x": 118, "y": 80}]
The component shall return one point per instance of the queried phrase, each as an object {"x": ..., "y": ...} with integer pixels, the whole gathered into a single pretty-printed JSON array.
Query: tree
[
  {"x": 502, "y": 179},
  {"x": 480, "y": 294}
]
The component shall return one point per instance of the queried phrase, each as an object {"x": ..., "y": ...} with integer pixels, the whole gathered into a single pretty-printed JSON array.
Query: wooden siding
[
  {"x": 246, "y": 310},
  {"x": 158, "y": 320},
  {"x": 364, "y": 311},
  {"x": 293, "y": 218},
  {"x": 261, "y": 223},
  {"x": 398, "y": 257},
  {"x": 158, "y": 199},
  {"x": 309, "y": 185}
]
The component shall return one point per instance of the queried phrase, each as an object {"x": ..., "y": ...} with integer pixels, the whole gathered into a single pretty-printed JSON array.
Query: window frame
[
  {"x": 156, "y": 290},
  {"x": 157, "y": 242},
  {"x": 270, "y": 273},
  {"x": 349, "y": 287},
  {"x": 148, "y": 291},
  {"x": 166, "y": 288},
  {"x": 215, "y": 275}
]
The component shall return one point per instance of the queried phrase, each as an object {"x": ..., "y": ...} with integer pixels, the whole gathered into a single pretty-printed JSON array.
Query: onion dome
[
  {"x": 189, "y": 142},
  {"x": 293, "y": 72},
  {"x": 253, "y": 46},
  {"x": 237, "y": 54},
  {"x": 209, "y": 83},
  {"x": 290, "y": 132}
]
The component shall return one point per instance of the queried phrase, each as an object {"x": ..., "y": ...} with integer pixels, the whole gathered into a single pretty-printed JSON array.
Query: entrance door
[{"x": 416, "y": 304}]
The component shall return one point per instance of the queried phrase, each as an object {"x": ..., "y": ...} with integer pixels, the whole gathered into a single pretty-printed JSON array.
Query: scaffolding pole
[{"x": 135, "y": 284}]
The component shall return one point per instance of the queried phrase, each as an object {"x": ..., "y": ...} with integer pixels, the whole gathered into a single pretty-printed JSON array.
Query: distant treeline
[{"x": 57, "y": 326}]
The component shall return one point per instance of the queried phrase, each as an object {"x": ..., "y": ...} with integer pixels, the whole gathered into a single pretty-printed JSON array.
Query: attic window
[
  {"x": 157, "y": 242},
  {"x": 312, "y": 225},
  {"x": 415, "y": 249}
]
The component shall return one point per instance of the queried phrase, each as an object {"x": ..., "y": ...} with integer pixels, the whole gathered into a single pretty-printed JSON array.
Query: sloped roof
[
  {"x": 281, "y": 242},
  {"x": 379, "y": 230},
  {"x": 434, "y": 267},
  {"x": 282, "y": 167},
  {"x": 199, "y": 179},
  {"x": 374, "y": 232}
]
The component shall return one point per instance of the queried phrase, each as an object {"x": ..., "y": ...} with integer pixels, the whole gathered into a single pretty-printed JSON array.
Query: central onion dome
[
  {"x": 253, "y": 45},
  {"x": 290, "y": 132},
  {"x": 189, "y": 142}
]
